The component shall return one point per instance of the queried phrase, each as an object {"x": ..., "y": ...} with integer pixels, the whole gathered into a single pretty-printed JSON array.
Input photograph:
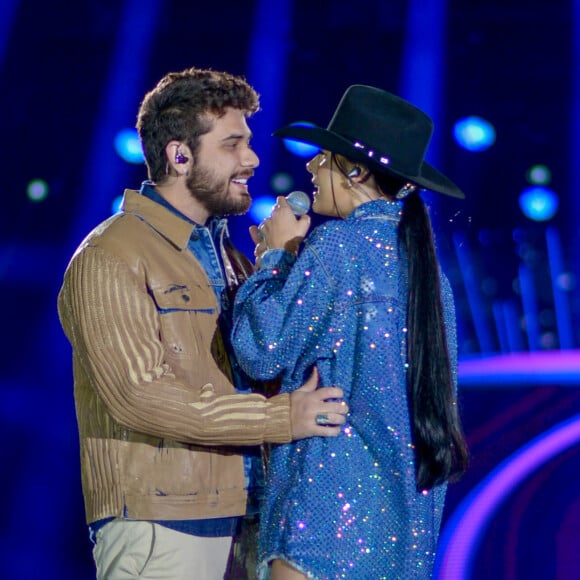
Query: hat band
[
  {"x": 371, "y": 153},
  {"x": 401, "y": 166}
]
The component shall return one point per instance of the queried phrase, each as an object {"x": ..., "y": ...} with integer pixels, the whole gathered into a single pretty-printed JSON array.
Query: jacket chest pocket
[{"x": 187, "y": 317}]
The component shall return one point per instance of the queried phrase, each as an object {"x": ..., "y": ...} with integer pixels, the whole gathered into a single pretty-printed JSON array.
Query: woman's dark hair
[
  {"x": 440, "y": 448},
  {"x": 177, "y": 107}
]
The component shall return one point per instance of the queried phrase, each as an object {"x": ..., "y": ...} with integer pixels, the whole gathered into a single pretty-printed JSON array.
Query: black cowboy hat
[{"x": 381, "y": 130}]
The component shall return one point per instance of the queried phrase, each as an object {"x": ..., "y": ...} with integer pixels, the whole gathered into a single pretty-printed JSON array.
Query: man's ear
[{"x": 178, "y": 157}]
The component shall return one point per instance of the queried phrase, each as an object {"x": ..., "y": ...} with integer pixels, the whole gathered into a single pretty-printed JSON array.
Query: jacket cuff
[
  {"x": 278, "y": 428},
  {"x": 277, "y": 259}
]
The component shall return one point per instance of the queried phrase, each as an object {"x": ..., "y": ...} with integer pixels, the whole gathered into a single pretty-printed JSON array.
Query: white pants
[{"x": 145, "y": 550}]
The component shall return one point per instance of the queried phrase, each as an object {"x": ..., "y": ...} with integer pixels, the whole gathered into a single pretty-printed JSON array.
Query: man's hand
[{"x": 310, "y": 412}]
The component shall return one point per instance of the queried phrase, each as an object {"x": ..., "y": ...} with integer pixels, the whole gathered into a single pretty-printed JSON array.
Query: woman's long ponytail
[{"x": 440, "y": 449}]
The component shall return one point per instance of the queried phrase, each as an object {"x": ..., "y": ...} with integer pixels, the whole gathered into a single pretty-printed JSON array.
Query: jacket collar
[
  {"x": 378, "y": 207},
  {"x": 169, "y": 225}
]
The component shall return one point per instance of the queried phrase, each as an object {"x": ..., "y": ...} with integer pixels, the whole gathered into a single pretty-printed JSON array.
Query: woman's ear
[{"x": 359, "y": 173}]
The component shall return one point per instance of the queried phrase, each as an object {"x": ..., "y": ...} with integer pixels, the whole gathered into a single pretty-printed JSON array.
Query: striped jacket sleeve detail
[{"x": 113, "y": 326}]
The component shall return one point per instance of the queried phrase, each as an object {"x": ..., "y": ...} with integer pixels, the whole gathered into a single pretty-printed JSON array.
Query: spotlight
[
  {"x": 474, "y": 133},
  {"x": 37, "y": 190},
  {"x": 298, "y": 147},
  {"x": 128, "y": 146},
  {"x": 262, "y": 208},
  {"x": 538, "y": 203},
  {"x": 539, "y": 175},
  {"x": 116, "y": 205},
  {"x": 281, "y": 183}
]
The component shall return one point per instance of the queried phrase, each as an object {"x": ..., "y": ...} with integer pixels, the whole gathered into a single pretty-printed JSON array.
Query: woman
[{"x": 365, "y": 302}]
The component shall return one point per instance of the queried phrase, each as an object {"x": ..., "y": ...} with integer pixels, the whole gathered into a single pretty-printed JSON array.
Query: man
[{"x": 145, "y": 298}]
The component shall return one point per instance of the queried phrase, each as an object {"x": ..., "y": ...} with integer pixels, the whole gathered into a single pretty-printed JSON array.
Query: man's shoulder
[
  {"x": 130, "y": 226},
  {"x": 121, "y": 229}
]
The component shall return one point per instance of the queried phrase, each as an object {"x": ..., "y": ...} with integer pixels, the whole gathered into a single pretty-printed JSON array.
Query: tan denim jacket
[{"x": 158, "y": 416}]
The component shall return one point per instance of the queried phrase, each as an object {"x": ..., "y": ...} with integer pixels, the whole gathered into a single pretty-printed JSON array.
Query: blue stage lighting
[
  {"x": 474, "y": 133},
  {"x": 262, "y": 208},
  {"x": 538, "y": 203},
  {"x": 281, "y": 183},
  {"x": 37, "y": 190},
  {"x": 539, "y": 175},
  {"x": 116, "y": 205},
  {"x": 128, "y": 146},
  {"x": 299, "y": 148}
]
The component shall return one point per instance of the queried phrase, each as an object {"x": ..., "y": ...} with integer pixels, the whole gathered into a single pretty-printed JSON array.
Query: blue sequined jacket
[{"x": 343, "y": 507}]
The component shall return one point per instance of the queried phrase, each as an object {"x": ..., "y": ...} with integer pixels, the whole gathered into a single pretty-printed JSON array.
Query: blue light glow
[
  {"x": 128, "y": 146},
  {"x": 281, "y": 183},
  {"x": 298, "y": 147},
  {"x": 539, "y": 175},
  {"x": 262, "y": 208},
  {"x": 37, "y": 190},
  {"x": 474, "y": 133},
  {"x": 116, "y": 205},
  {"x": 538, "y": 203}
]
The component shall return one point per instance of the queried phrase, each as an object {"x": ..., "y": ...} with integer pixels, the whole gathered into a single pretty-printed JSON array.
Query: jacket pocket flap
[{"x": 181, "y": 296}]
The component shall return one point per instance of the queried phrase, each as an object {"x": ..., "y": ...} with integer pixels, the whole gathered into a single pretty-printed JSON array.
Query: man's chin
[
  {"x": 239, "y": 208},
  {"x": 244, "y": 204}
]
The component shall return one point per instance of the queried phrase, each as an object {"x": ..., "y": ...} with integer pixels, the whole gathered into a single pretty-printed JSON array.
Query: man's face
[{"x": 224, "y": 163}]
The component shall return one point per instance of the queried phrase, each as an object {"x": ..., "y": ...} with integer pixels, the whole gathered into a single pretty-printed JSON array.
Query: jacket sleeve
[
  {"x": 281, "y": 312},
  {"x": 112, "y": 324}
]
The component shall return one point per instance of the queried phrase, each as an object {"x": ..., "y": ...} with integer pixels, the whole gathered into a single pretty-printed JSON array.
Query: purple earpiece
[{"x": 180, "y": 157}]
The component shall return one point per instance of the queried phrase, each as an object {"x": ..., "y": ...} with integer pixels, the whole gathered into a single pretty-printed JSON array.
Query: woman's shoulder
[{"x": 330, "y": 232}]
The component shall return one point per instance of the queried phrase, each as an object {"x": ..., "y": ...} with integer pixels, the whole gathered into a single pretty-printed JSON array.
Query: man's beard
[{"x": 213, "y": 193}]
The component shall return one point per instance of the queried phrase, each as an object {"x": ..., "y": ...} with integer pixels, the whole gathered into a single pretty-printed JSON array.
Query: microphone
[{"x": 299, "y": 203}]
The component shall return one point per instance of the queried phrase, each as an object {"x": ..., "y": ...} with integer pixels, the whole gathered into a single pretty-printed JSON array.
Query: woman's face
[{"x": 329, "y": 194}]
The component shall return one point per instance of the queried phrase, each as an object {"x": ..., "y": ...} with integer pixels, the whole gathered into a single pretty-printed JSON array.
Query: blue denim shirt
[
  {"x": 346, "y": 506},
  {"x": 203, "y": 243}
]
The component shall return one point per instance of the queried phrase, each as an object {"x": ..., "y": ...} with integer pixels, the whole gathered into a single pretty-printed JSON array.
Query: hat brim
[{"x": 427, "y": 178}]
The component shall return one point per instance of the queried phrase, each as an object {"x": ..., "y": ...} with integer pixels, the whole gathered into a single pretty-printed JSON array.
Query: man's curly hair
[{"x": 177, "y": 107}]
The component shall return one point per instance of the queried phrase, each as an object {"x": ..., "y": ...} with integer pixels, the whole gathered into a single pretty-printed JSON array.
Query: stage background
[{"x": 72, "y": 76}]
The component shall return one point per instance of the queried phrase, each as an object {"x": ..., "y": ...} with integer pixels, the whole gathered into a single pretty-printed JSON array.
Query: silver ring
[{"x": 322, "y": 420}]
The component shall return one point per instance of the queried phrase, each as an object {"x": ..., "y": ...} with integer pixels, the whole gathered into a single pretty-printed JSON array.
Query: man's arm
[{"x": 113, "y": 326}]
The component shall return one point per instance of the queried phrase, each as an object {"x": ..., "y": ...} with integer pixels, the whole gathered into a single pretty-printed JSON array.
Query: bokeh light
[
  {"x": 538, "y": 203},
  {"x": 128, "y": 146},
  {"x": 262, "y": 208},
  {"x": 539, "y": 175},
  {"x": 37, "y": 190},
  {"x": 474, "y": 133},
  {"x": 298, "y": 147},
  {"x": 116, "y": 205},
  {"x": 281, "y": 182}
]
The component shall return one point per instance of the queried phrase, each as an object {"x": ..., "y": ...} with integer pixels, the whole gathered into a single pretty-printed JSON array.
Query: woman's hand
[
  {"x": 260, "y": 245},
  {"x": 282, "y": 229}
]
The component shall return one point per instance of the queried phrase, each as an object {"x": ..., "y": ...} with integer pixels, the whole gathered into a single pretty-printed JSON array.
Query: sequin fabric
[{"x": 343, "y": 507}]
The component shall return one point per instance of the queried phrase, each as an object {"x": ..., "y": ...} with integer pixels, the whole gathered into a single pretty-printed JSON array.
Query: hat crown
[
  {"x": 381, "y": 130},
  {"x": 383, "y": 126}
]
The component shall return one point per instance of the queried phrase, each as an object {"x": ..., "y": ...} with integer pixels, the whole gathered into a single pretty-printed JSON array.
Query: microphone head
[{"x": 299, "y": 202}]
